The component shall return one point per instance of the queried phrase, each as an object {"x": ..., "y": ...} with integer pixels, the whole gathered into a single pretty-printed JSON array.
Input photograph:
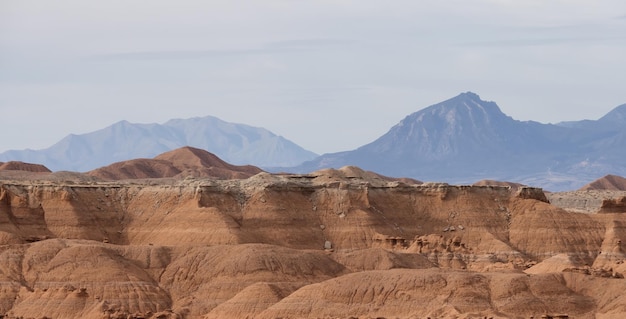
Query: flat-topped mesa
[
  {"x": 21, "y": 166},
  {"x": 273, "y": 209}
]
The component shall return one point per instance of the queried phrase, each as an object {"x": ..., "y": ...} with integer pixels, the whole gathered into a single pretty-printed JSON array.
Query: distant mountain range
[
  {"x": 461, "y": 140},
  {"x": 235, "y": 143},
  {"x": 465, "y": 139}
]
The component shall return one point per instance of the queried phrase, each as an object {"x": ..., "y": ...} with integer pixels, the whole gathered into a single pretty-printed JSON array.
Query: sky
[{"x": 328, "y": 75}]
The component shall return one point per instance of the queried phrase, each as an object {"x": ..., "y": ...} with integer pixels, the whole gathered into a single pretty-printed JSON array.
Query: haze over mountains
[
  {"x": 461, "y": 140},
  {"x": 238, "y": 144},
  {"x": 466, "y": 139}
]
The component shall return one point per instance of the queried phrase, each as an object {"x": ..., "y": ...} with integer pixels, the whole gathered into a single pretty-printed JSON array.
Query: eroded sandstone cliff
[{"x": 332, "y": 244}]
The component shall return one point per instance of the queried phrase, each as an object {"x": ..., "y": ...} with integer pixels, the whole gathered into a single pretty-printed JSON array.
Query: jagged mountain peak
[
  {"x": 465, "y": 97},
  {"x": 454, "y": 126},
  {"x": 466, "y": 104},
  {"x": 462, "y": 139}
]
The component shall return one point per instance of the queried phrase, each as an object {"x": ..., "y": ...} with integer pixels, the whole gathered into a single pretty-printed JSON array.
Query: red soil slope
[
  {"x": 608, "y": 182},
  {"x": 181, "y": 162}
]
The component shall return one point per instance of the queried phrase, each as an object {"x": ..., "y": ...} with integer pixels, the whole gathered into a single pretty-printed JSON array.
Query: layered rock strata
[{"x": 302, "y": 246}]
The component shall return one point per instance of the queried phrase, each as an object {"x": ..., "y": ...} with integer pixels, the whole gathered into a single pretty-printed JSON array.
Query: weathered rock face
[
  {"x": 613, "y": 205},
  {"x": 588, "y": 201},
  {"x": 319, "y": 245}
]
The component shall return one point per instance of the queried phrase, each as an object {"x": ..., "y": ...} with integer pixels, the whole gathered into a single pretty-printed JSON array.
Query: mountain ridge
[
  {"x": 235, "y": 143},
  {"x": 465, "y": 139},
  {"x": 459, "y": 141}
]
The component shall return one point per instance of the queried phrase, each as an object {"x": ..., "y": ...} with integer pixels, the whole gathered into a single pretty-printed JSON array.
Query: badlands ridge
[{"x": 118, "y": 243}]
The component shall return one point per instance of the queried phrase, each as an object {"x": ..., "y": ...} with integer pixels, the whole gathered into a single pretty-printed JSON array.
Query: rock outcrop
[
  {"x": 613, "y": 205},
  {"x": 488, "y": 182},
  {"x": 589, "y": 201},
  {"x": 335, "y": 243}
]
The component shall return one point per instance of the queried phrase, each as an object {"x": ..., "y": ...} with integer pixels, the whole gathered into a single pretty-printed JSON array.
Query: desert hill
[
  {"x": 608, "y": 182},
  {"x": 344, "y": 243},
  {"x": 16, "y": 170},
  {"x": 182, "y": 162},
  {"x": 21, "y": 166}
]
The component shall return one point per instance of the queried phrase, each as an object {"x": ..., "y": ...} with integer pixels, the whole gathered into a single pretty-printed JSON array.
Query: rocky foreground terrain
[{"x": 331, "y": 244}]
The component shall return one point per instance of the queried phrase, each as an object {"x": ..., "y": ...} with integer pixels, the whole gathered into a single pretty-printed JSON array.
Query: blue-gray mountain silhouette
[
  {"x": 238, "y": 144},
  {"x": 461, "y": 140},
  {"x": 466, "y": 139}
]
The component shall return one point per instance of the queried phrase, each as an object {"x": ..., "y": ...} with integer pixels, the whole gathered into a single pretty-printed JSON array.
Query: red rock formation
[
  {"x": 613, "y": 205},
  {"x": 338, "y": 243}
]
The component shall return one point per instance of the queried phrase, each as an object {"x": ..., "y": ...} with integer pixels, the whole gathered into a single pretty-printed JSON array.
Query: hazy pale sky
[{"x": 328, "y": 75}]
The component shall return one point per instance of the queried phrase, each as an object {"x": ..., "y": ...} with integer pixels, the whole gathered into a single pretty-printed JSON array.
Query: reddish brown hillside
[
  {"x": 182, "y": 162},
  {"x": 192, "y": 158},
  {"x": 608, "y": 182},
  {"x": 136, "y": 169},
  {"x": 21, "y": 166}
]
